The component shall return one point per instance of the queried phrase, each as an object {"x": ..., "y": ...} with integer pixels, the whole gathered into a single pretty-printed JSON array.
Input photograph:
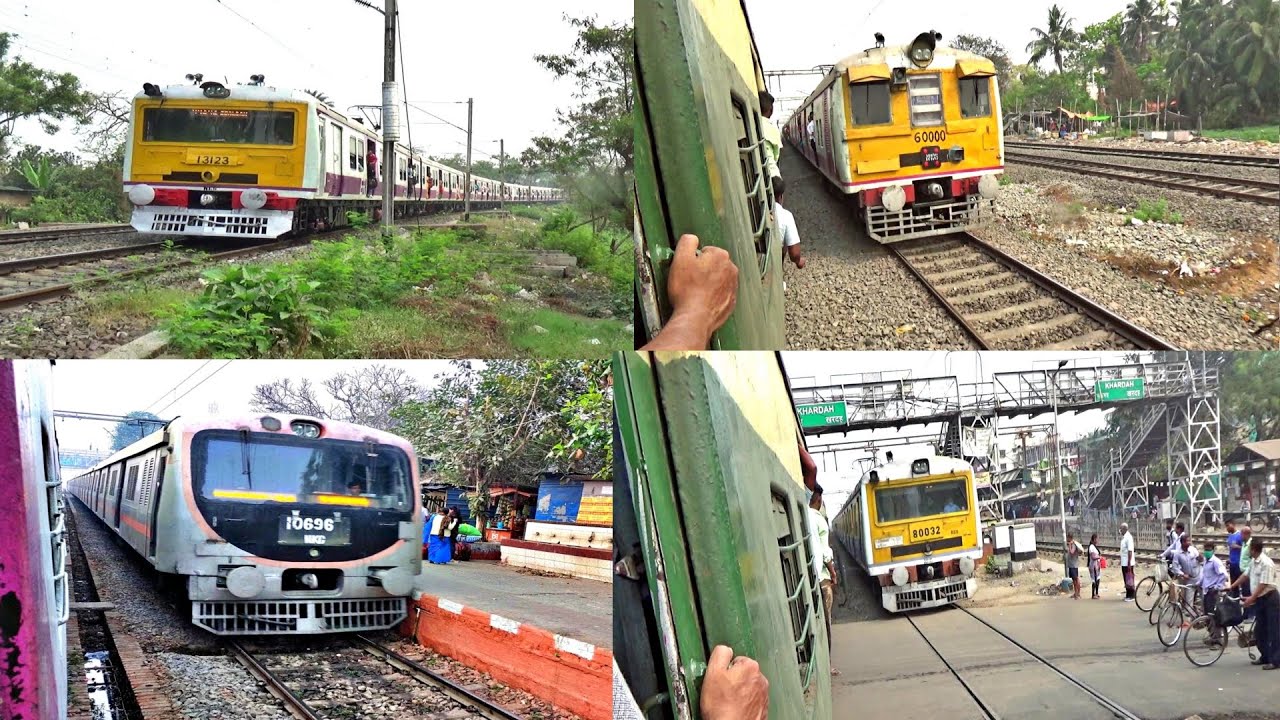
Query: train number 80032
[
  {"x": 931, "y": 136},
  {"x": 926, "y": 532}
]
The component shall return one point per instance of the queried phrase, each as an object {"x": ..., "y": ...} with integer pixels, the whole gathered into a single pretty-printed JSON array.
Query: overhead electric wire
[
  {"x": 175, "y": 387},
  {"x": 193, "y": 387}
]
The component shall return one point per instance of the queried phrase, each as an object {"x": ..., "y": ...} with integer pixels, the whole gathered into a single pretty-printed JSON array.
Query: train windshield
[
  {"x": 218, "y": 125},
  {"x": 894, "y": 504},
  {"x": 270, "y": 467}
]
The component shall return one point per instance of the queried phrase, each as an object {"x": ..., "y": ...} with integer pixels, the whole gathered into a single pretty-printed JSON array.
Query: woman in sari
[{"x": 437, "y": 545}]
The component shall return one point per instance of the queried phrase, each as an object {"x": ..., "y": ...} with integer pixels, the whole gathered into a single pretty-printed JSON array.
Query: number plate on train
[
  {"x": 205, "y": 159},
  {"x": 924, "y": 532},
  {"x": 300, "y": 530},
  {"x": 931, "y": 157},
  {"x": 885, "y": 542}
]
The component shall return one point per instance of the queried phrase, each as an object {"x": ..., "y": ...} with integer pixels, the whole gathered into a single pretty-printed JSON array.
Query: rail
[{"x": 1266, "y": 161}]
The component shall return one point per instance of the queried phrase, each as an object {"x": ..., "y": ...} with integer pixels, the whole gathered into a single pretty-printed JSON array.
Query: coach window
[
  {"x": 926, "y": 100},
  {"x": 975, "y": 97},
  {"x": 799, "y": 580},
  {"x": 759, "y": 191},
  {"x": 132, "y": 487},
  {"x": 870, "y": 103}
]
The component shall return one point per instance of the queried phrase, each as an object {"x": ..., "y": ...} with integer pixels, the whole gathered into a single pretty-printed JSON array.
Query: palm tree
[
  {"x": 1056, "y": 41},
  {"x": 1143, "y": 20},
  {"x": 319, "y": 96},
  {"x": 1249, "y": 33},
  {"x": 1192, "y": 59}
]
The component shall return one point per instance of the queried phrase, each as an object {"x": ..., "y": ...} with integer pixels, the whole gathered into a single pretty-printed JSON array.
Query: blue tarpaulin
[{"x": 558, "y": 500}]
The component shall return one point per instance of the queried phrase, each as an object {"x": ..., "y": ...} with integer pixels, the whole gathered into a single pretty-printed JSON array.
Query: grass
[
  {"x": 131, "y": 304},
  {"x": 567, "y": 336},
  {"x": 418, "y": 328},
  {"x": 1157, "y": 211},
  {"x": 1270, "y": 133}
]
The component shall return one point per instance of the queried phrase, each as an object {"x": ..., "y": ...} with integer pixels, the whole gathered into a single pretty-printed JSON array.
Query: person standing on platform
[
  {"x": 1095, "y": 564},
  {"x": 437, "y": 546},
  {"x": 1262, "y": 576},
  {"x": 1126, "y": 561},
  {"x": 1234, "y": 543},
  {"x": 451, "y": 530},
  {"x": 1074, "y": 551}
]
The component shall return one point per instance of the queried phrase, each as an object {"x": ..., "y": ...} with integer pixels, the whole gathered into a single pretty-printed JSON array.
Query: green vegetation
[
  {"x": 1270, "y": 133},
  {"x": 1205, "y": 59},
  {"x": 1156, "y": 211},
  {"x": 562, "y": 230},
  {"x": 429, "y": 294}
]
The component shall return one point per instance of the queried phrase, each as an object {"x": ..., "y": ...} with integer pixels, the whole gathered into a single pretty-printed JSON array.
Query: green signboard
[
  {"x": 821, "y": 415},
  {"x": 1114, "y": 390}
]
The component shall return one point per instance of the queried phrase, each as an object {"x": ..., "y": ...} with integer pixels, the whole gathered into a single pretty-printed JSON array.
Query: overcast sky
[
  {"x": 799, "y": 34},
  {"x": 453, "y": 50},
  {"x": 807, "y": 369},
  {"x": 170, "y": 388}
]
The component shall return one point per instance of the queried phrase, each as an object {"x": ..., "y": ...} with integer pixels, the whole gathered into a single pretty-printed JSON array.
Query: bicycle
[
  {"x": 1150, "y": 589},
  {"x": 1173, "y": 616},
  {"x": 1203, "y": 650}
]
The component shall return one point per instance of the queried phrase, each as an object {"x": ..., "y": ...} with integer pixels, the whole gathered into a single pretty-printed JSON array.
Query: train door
[
  {"x": 699, "y": 161},
  {"x": 711, "y": 529},
  {"x": 334, "y": 168},
  {"x": 116, "y": 487}
]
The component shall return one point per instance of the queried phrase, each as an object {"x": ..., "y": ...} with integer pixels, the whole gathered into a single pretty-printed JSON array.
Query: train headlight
[
  {"x": 253, "y": 199},
  {"x": 899, "y": 576},
  {"x": 894, "y": 198},
  {"x": 246, "y": 582},
  {"x": 142, "y": 194},
  {"x": 207, "y": 199},
  {"x": 988, "y": 186},
  {"x": 921, "y": 49},
  {"x": 305, "y": 429},
  {"x": 270, "y": 423}
]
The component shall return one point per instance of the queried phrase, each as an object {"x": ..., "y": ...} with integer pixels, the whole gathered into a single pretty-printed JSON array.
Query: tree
[
  {"x": 990, "y": 49},
  {"x": 1250, "y": 38},
  {"x": 502, "y": 421},
  {"x": 593, "y": 156},
  {"x": 1056, "y": 41},
  {"x": 320, "y": 96},
  {"x": 27, "y": 91},
  {"x": 1143, "y": 21},
  {"x": 39, "y": 177},
  {"x": 1250, "y": 398},
  {"x": 137, "y": 425},
  {"x": 1123, "y": 83},
  {"x": 368, "y": 396}
]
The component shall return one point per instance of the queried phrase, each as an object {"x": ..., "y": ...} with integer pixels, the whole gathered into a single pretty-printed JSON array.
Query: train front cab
[
  {"x": 919, "y": 550},
  {"x": 710, "y": 530}
]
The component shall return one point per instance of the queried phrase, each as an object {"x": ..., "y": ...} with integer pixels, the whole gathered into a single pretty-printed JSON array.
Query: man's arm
[
  {"x": 703, "y": 290},
  {"x": 808, "y": 468}
]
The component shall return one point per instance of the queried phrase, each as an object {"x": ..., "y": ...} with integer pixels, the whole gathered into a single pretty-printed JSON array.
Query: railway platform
[
  {"x": 889, "y": 668},
  {"x": 581, "y": 609}
]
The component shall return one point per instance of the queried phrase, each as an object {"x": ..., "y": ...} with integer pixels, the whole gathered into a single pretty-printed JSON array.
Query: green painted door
[
  {"x": 710, "y": 445},
  {"x": 699, "y": 160}
]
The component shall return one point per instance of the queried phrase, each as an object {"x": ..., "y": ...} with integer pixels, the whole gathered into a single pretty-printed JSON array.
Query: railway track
[
  {"x": 1263, "y": 161},
  {"x": 954, "y": 650},
  {"x": 25, "y": 236},
  {"x": 1005, "y": 304},
  {"x": 40, "y": 278},
  {"x": 1266, "y": 192},
  {"x": 342, "y": 680}
]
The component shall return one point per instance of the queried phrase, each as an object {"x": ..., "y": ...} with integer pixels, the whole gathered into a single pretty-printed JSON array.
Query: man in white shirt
[
  {"x": 812, "y": 128},
  {"x": 787, "y": 224},
  {"x": 771, "y": 135},
  {"x": 1126, "y": 561},
  {"x": 1263, "y": 579},
  {"x": 824, "y": 559}
]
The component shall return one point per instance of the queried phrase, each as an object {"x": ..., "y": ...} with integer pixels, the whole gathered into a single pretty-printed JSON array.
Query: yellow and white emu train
[
  {"x": 911, "y": 132},
  {"x": 913, "y": 526}
]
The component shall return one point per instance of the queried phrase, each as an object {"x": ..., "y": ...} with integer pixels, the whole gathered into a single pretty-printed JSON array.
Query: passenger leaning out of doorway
[{"x": 371, "y": 167}]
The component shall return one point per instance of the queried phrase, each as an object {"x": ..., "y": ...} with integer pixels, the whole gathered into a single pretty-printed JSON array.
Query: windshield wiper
[{"x": 244, "y": 457}]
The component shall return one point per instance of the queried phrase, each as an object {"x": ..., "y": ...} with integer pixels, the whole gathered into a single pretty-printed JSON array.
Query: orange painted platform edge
[{"x": 571, "y": 674}]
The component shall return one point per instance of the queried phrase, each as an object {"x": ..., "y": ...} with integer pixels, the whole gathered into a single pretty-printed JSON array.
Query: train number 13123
[
  {"x": 931, "y": 136},
  {"x": 926, "y": 532}
]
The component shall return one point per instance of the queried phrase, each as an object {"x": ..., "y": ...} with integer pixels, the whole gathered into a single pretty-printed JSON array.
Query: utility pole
[
  {"x": 390, "y": 120},
  {"x": 1057, "y": 462},
  {"x": 502, "y": 174},
  {"x": 466, "y": 191}
]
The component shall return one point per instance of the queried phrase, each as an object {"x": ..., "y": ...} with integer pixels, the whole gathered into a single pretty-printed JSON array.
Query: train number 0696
[
  {"x": 931, "y": 136},
  {"x": 293, "y": 522},
  {"x": 921, "y": 533}
]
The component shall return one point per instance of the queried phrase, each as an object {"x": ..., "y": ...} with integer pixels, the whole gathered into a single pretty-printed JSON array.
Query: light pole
[
  {"x": 1057, "y": 461},
  {"x": 502, "y": 175}
]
